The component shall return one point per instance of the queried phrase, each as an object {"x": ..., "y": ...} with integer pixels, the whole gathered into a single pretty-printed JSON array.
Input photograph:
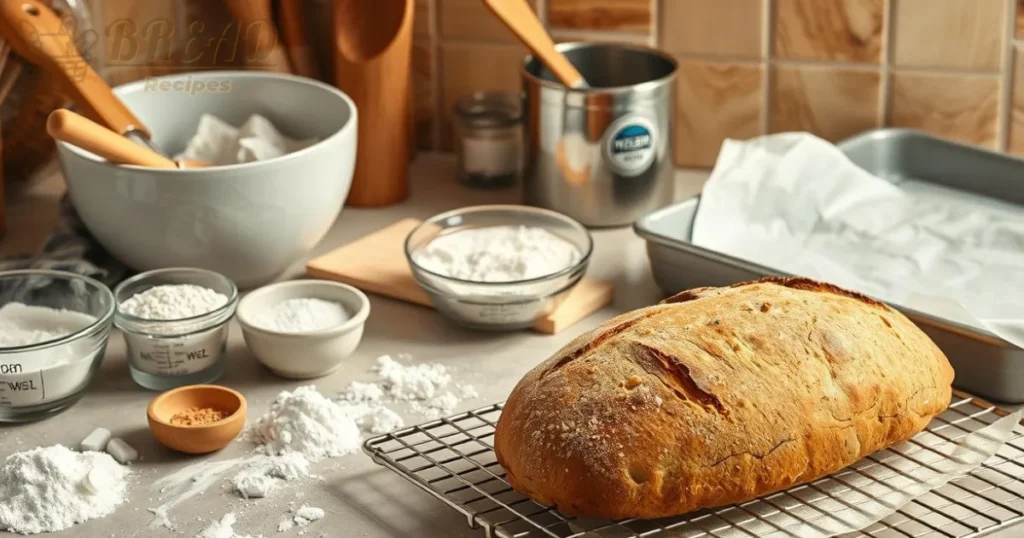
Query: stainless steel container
[{"x": 601, "y": 155}]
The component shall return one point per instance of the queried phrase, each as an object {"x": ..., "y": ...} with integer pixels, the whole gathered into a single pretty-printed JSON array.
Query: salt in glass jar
[
  {"x": 169, "y": 353},
  {"x": 489, "y": 139}
]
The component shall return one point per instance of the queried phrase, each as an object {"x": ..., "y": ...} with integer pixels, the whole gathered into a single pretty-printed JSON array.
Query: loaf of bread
[{"x": 718, "y": 396}]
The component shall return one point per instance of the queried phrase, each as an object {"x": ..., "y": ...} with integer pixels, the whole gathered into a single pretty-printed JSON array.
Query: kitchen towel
[
  {"x": 71, "y": 248},
  {"x": 797, "y": 204}
]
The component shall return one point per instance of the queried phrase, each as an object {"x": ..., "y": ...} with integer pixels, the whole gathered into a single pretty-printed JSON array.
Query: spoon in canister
[
  {"x": 520, "y": 18},
  {"x": 77, "y": 130}
]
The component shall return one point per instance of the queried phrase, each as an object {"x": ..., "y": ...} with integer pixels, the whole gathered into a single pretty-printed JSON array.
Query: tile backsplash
[
  {"x": 747, "y": 67},
  {"x": 750, "y": 67}
]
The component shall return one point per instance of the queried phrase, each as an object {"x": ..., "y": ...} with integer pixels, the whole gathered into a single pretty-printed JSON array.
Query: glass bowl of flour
[
  {"x": 53, "y": 333},
  {"x": 498, "y": 267}
]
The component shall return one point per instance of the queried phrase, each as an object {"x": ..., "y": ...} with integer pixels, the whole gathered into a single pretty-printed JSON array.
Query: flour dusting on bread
[{"x": 718, "y": 396}]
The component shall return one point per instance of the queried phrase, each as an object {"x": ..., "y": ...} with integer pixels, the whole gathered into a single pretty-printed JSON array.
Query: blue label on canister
[{"x": 630, "y": 146}]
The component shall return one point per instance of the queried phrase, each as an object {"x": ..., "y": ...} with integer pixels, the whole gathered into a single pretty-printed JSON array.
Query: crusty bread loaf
[{"x": 717, "y": 396}]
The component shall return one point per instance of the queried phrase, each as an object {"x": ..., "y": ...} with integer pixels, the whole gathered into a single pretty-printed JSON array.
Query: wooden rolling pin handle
[
  {"x": 520, "y": 18},
  {"x": 39, "y": 35},
  {"x": 66, "y": 126}
]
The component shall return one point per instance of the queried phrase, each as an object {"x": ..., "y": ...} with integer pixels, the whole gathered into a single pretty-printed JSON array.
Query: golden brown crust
[{"x": 717, "y": 396}]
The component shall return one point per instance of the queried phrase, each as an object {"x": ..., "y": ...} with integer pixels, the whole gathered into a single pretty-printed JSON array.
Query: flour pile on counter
[
  {"x": 23, "y": 325},
  {"x": 50, "y": 489},
  {"x": 220, "y": 143},
  {"x": 173, "y": 302},
  {"x": 306, "y": 422},
  {"x": 425, "y": 385},
  {"x": 225, "y": 528},
  {"x": 262, "y": 475},
  {"x": 301, "y": 517},
  {"x": 302, "y": 315},
  {"x": 497, "y": 254}
]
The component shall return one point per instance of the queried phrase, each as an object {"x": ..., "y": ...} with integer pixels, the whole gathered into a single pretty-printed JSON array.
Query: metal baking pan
[{"x": 985, "y": 364}]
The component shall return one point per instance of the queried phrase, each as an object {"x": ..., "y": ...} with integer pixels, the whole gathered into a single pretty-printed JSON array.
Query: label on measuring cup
[
  {"x": 630, "y": 145},
  {"x": 22, "y": 384},
  {"x": 176, "y": 356}
]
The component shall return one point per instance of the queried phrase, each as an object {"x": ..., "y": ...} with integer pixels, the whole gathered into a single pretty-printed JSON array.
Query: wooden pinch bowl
[{"x": 199, "y": 439}]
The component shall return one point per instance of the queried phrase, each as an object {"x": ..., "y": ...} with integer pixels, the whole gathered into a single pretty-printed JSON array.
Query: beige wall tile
[
  {"x": 730, "y": 28},
  {"x": 960, "y": 34},
  {"x": 466, "y": 68},
  {"x": 845, "y": 30},
  {"x": 622, "y": 15},
  {"x": 715, "y": 101},
  {"x": 831, "y": 102},
  {"x": 471, "y": 20},
  {"x": 956, "y": 106},
  {"x": 421, "y": 19},
  {"x": 1016, "y": 142},
  {"x": 423, "y": 92}
]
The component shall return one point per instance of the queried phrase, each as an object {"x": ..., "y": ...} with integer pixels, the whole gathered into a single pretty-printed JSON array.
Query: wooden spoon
[
  {"x": 295, "y": 34},
  {"x": 262, "y": 45},
  {"x": 67, "y": 126},
  {"x": 373, "y": 62},
  {"x": 38, "y": 35},
  {"x": 520, "y": 18}
]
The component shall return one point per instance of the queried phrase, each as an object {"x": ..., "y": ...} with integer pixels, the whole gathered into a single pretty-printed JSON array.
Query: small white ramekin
[{"x": 310, "y": 354}]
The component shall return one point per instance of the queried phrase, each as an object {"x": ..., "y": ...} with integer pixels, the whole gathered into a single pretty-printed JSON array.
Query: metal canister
[{"x": 602, "y": 155}]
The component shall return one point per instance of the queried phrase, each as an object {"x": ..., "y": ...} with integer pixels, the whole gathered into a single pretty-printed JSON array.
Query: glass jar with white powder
[
  {"x": 53, "y": 333},
  {"x": 175, "y": 325}
]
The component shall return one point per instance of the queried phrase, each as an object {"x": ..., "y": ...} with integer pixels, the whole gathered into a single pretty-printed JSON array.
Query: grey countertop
[{"x": 360, "y": 498}]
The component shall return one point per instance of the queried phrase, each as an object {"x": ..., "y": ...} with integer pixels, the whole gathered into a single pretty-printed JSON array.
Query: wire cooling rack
[{"x": 453, "y": 459}]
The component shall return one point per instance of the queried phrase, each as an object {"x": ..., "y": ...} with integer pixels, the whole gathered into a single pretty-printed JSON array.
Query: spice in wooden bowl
[{"x": 198, "y": 416}]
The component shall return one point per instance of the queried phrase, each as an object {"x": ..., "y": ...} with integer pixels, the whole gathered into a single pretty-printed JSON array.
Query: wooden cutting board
[{"x": 377, "y": 264}]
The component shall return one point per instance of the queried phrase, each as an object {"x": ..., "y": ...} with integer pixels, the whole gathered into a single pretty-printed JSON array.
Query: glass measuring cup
[{"x": 165, "y": 354}]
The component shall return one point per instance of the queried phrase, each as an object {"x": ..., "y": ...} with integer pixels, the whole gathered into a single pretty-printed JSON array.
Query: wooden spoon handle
[
  {"x": 66, "y": 126},
  {"x": 38, "y": 35},
  {"x": 518, "y": 17},
  {"x": 295, "y": 34},
  {"x": 259, "y": 35}
]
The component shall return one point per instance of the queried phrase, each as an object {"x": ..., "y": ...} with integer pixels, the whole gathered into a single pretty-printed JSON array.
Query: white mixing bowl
[{"x": 248, "y": 221}]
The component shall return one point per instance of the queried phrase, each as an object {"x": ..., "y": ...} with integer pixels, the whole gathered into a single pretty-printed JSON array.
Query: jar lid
[{"x": 490, "y": 109}]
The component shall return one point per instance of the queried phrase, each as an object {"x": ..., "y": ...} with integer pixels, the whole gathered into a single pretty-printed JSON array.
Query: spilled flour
[
  {"x": 306, "y": 422},
  {"x": 52, "y": 488},
  {"x": 225, "y": 528},
  {"x": 303, "y": 427},
  {"x": 301, "y": 517},
  {"x": 428, "y": 386}
]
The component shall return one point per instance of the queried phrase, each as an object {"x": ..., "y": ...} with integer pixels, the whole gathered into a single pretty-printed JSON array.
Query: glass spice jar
[{"x": 489, "y": 139}]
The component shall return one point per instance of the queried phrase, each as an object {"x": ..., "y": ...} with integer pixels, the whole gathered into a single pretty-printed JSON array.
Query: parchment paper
[{"x": 795, "y": 203}]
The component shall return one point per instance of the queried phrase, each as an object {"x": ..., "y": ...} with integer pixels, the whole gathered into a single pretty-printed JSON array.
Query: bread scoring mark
[
  {"x": 680, "y": 381},
  {"x": 807, "y": 284},
  {"x": 688, "y": 295},
  {"x": 597, "y": 341}
]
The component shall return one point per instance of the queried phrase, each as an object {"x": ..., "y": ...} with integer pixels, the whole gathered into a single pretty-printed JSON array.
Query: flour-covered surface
[{"x": 359, "y": 499}]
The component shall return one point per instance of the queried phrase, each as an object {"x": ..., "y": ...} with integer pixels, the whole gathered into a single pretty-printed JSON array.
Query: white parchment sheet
[{"x": 795, "y": 203}]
